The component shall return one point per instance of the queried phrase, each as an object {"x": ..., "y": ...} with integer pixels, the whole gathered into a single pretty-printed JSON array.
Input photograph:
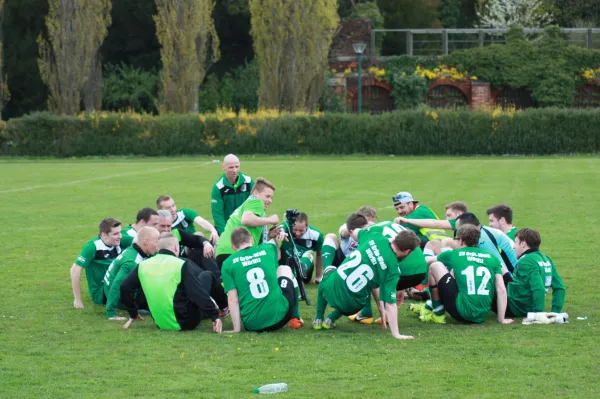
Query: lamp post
[{"x": 359, "y": 49}]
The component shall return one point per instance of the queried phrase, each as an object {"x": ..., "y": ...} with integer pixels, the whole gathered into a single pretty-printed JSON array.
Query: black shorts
[
  {"x": 448, "y": 290},
  {"x": 222, "y": 258},
  {"x": 508, "y": 314},
  {"x": 338, "y": 258},
  {"x": 410, "y": 281},
  {"x": 287, "y": 289}
]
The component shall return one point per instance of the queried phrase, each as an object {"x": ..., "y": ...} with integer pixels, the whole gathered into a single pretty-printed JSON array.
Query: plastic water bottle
[{"x": 272, "y": 388}]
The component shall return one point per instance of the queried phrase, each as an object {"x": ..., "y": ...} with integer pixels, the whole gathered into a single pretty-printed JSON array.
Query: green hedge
[{"x": 412, "y": 132}]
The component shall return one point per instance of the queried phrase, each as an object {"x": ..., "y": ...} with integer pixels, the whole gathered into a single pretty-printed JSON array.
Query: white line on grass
[{"x": 68, "y": 183}]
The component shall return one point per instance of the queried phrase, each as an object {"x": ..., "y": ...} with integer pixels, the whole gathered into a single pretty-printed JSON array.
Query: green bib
[{"x": 160, "y": 276}]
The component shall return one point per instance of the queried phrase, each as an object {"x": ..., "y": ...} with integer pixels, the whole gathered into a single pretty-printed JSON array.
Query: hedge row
[{"x": 411, "y": 132}]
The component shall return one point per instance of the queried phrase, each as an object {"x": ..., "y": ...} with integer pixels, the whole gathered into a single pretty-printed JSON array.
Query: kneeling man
[{"x": 178, "y": 292}]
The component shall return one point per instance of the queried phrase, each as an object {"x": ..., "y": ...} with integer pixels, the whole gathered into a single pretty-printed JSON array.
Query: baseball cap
[{"x": 403, "y": 197}]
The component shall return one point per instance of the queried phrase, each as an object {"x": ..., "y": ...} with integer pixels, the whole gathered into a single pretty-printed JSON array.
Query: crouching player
[
  {"x": 534, "y": 276},
  {"x": 373, "y": 267},
  {"x": 462, "y": 282},
  {"x": 259, "y": 293}
]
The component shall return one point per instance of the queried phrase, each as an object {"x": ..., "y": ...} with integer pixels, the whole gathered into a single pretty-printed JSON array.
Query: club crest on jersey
[
  {"x": 243, "y": 188},
  {"x": 308, "y": 244}
]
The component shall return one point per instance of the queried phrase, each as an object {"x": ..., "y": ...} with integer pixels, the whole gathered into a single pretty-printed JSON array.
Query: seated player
[
  {"x": 492, "y": 240},
  {"x": 534, "y": 276},
  {"x": 308, "y": 242},
  {"x": 453, "y": 211},
  {"x": 372, "y": 268},
  {"x": 347, "y": 243},
  {"x": 144, "y": 217},
  {"x": 251, "y": 214},
  {"x": 144, "y": 245},
  {"x": 178, "y": 292},
  {"x": 413, "y": 268},
  {"x": 501, "y": 218},
  {"x": 260, "y": 293},
  {"x": 463, "y": 281},
  {"x": 409, "y": 208},
  {"x": 185, "y": 218},
  {"x": 95, "y": 257}
]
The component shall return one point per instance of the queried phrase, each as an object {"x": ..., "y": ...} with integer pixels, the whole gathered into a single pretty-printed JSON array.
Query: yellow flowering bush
[
  {"x": 590, "y": 75},
  {"x": 444, "y": 72}
]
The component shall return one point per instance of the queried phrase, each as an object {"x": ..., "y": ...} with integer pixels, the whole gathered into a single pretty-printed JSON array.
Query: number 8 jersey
[
  {"x": 253, "y": 272},
  {"x": 475, "y": 273},
  {"x": 373, "y": 264}
]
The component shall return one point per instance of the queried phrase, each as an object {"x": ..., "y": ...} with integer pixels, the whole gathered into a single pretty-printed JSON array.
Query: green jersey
[
  {"x": 534, "y": 275},
  {"x": 452, "y": 224},
  {"x": 415, "y": 262},
  {"x": 226, "y": 198},
  {"x": 312, "y": 239},
  {"x": 253, "y": 273},
  {"x": 118, "y": 271},
  {"x": 373, "y": 264},
  {"x": 252, "y": 204},
  {"x": 512, "y": 233},
  {"x": 95, "y": 257},
  {"x": 184, "y": 220},
  {"x": 127, "y": 236},
  {"x": 424, "y": 234},
  {"x": 475, "y": 273}
]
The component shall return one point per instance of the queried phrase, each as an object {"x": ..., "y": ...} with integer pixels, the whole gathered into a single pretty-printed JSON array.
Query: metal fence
[{"x": 431, "y": 42}]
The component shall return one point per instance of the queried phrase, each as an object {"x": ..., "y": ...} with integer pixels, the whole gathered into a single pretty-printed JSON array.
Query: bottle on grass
[{"x": 272, "y": 388}]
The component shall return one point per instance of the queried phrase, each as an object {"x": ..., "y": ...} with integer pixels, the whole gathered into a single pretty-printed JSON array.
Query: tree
[
  {"x": 4, "y": 94},
  {"x": 76, "y": 29},
  {"x": 406, "y": 14},
  {"x": 291, "y": 41},
  {"x": 506, "y": 13},
  {"x": 186, "y": 31},
  {"x": 458, "y": 13},
  {"x": 371, "y": 11}
]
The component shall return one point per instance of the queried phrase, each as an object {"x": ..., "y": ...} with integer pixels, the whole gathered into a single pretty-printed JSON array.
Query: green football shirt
[
  {"x": 534, "y": 275},
  {"x": 118, "y": 271},
  {"x": 252, "y": 204},
  {"x": 424, "y": 234},
  {"x": 95, "y": 257},
  {"x": 127, "y": 236},
  {"x": 475, "y": 273},
  {"x": 226, "y": 198},
  {"x": 373, "y": 264},
  {"x": 253, "y": 273},
  {"x": 415, "y": 262},
  {"x": 512, "y": 233},
  {"x": 185, "y": 220},
  {"x": 312, "y": 239}
]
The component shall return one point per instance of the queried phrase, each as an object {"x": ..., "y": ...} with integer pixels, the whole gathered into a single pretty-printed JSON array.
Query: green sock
[
  {"x": 437, "y": 307},
  {"x": 321, "y": 305},
  {"x": 333, "y": 316},
  {"x": 367, "y": 310},
  {"x": 429, "y": 305},
  {"x": 328, "y": 254}
]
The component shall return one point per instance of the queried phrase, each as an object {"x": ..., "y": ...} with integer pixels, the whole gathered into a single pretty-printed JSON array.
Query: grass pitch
[{"x": 49, "y": 349}]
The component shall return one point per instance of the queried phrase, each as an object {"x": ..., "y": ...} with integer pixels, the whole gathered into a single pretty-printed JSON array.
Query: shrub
[{"x": 419, "y": 131}]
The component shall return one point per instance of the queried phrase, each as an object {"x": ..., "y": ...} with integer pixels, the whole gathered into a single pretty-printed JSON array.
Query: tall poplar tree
[
  {"x": 291, "y": 41},
  {"x": 186, "y": 32},
  {"x": 76, "y": 30},
  {"x": 3, "y": 87}
]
